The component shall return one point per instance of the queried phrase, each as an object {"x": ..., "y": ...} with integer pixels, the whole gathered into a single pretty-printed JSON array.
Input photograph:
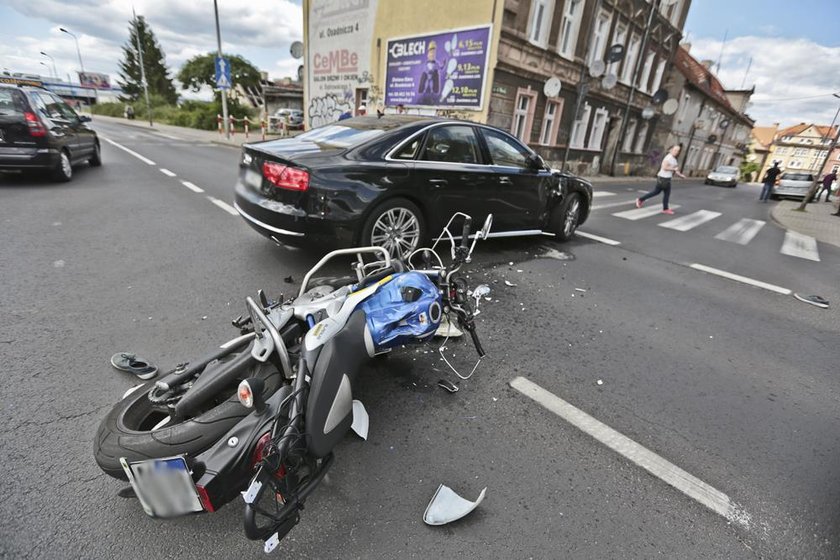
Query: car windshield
[
  {"x": 11, "y": 102},
  {"x": 339, "y": 136},
  {"x": 726, "y": 170},
  {"x": 798, "y": 177}
]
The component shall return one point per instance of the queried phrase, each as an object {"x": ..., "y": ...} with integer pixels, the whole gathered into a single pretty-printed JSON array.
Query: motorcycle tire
[{"x": 127, "y": 430}]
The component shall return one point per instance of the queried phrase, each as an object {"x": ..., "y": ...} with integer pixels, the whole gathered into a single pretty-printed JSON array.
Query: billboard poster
[
  {"x": 445, "y": 70},
  {"x": 338, "y": 57},
  {"x": 94, "y": 80}
]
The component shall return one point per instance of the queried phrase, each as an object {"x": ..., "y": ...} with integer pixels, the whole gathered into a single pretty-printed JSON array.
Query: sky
[{"x": 794, "y": 44}]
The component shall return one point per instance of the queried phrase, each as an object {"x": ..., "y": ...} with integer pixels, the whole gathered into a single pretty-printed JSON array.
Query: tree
[
  {"x": 200, "y": 71},
  {"x": 154, "y": 62}
]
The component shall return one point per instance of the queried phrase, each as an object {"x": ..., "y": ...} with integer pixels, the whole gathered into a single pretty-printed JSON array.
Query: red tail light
[
  {"x": 36, "y": 127},
  {"x": 204, "y": 498},
  {"x": 258, "y": 454},
  {"x": 286, "y": 177}
]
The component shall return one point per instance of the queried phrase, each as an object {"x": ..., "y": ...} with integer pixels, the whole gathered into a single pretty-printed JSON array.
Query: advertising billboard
[
  {"x": 445, "y": 70},
  {"x": 94, "y": 80}
]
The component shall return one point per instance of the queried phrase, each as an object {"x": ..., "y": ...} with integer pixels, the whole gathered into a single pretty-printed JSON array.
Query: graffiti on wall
[{"x": 328, "y": 109}]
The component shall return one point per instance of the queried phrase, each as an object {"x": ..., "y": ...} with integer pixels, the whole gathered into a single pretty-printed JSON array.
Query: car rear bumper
[
  {"x": 727, "y": 183},
  {"x": 28, "y": 158},
  {"x": 795, "y": 192},
  {"x": 289, "y": 224}
]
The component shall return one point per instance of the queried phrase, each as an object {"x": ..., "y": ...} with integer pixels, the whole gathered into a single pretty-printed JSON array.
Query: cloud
[
  {"x": 256, "y": 29},
  {"x": 793, "y": 78}
]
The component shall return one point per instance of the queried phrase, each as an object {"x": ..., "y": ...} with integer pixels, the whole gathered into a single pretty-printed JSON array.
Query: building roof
[
  {"x": 764, "y": 135},
  {"x": 802, "y": 127},
  {"x": 701, "y": 78}
]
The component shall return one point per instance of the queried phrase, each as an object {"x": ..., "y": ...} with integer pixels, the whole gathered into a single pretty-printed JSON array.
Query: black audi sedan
[
  {"x": 394, "y": 181},
  {"x": 39, "y": 131}
]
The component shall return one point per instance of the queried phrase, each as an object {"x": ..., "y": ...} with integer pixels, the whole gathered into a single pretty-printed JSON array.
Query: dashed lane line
[
  {"x": 144, "y": 159},
  {"x": 192, "y": 187},
  {"x": 224, "y": 206},
  {"x": 601, "y": 194},
  {"x": 167, "y": 172},
  {"x": 659, "y": 467},
  {"x": 741, "y": 279},
  {"x": 598, "y": 238}
]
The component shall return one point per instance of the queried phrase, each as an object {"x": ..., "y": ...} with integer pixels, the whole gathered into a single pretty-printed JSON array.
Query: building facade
[
  {"x": 499, "y": 62},
  {"x": 833, "y": 163},
  {"x": 801, "y": 147},
  {"x": 758, "y": 148},
  {"x": 712, "y": 131}
]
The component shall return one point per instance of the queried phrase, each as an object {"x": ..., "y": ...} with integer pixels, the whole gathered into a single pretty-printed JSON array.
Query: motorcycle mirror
[{"x": 250, "y": 394}]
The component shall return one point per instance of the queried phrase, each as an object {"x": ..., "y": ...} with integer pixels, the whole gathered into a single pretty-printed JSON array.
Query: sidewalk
[
  {"x": 815, "y": 221},
  {"x": 192, "y": 134}
]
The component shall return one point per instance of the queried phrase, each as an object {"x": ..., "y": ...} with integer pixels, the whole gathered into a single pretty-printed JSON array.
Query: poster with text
[
  {"x": 338, "y": 57},
  {"x": 445, "y": 70},
  {"x": 95, "y": 80}
]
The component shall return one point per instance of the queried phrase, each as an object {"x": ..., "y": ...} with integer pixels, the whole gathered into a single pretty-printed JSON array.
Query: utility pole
[
  {"x": 55, "y": 72},
  {"x": 813, "y": 190},
  {"x": 142, "y": 68},
  {"x": 223, "y": 90},
  {"x": 654, "y": 6}
]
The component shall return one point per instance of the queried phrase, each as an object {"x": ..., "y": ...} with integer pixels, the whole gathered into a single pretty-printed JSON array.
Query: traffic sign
[{"x": 222, "y": 73}]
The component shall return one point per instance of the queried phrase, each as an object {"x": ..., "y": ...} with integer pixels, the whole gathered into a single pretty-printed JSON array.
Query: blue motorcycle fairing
[{"x": 404, "y": 309}]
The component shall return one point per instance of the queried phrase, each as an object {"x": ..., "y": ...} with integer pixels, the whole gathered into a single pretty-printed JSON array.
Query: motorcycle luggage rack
[{"x": 359, "y": 267}]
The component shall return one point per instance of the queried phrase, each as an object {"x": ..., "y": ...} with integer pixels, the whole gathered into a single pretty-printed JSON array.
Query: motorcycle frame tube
[
  {"x": 279, "y": 345},
  {"x": 206, "y": 387},
  {"x": 174, "y": 378},
  {"x": 358, "y": 251}
]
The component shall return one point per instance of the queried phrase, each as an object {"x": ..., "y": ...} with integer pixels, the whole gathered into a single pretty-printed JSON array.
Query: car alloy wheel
[
  {"x": 397, "y": 230},
  {"x": 63, "y": 172},
  {"x": 570, "y": 220}
]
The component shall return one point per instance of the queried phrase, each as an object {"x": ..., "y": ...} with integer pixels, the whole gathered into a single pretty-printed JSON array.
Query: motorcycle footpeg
[{"x": 282, "y": 530}]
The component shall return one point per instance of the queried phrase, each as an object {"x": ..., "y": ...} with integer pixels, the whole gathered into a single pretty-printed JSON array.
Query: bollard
[
  {"x": 246, "y": 127},
  {"x": 262, "y": 129},
  {"x": 232, "y": 126},
  {"x": 219, "y": 120}
]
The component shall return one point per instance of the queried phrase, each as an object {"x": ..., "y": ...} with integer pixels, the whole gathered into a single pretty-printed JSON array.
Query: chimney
[
  {"x": 707, "y": 63},
  {"x": 687, "y": 47}
]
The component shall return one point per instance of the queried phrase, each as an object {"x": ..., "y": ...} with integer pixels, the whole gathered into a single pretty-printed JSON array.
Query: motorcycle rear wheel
[{"x": 128, "y": 431}]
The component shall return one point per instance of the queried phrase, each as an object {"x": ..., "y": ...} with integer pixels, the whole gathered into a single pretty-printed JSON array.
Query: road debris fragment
[
  {"x": 446, "y": 506},
  {"x": 817, "y": 301}
]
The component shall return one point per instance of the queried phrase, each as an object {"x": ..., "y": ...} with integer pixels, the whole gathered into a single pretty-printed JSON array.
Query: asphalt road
[{"x": 731, "y": 383}]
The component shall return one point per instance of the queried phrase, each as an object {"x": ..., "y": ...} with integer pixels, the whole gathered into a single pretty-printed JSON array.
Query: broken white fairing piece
[
  {"x": 447, "y": 506},
  {"x": 361, "y": 421}
]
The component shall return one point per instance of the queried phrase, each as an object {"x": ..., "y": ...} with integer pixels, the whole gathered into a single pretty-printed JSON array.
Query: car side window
[
  {"x": 64, "y": 109},
  {"x": 451, "y": 144},
  {"x": 409, "y": 151},
  {"x": 505, "y": 151}
]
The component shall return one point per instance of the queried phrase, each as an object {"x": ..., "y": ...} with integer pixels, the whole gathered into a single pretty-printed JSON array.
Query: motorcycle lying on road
[{"x": 260, "y": 416}]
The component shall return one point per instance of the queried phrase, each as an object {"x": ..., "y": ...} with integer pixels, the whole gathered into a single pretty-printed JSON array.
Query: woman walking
[{"x": 663, "y": 179}]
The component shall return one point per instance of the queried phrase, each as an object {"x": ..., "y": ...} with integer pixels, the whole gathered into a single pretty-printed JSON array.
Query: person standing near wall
[
  {"x": 667, "y": 169},
  {"x": 769, "y": 181}
]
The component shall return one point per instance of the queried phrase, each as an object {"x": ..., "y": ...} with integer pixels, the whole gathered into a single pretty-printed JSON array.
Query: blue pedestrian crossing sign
[{"x": 222, "y": 73}]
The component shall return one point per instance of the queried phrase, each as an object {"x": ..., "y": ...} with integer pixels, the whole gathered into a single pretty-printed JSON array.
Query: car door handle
[
  {"x": 505, "y": 181},
  {"x": 438, "y": 183}
]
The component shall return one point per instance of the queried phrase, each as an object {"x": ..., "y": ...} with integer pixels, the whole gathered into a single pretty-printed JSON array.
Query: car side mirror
[
  {"x": 535, "y": 162},
  {"x": 84, "y": 118}
]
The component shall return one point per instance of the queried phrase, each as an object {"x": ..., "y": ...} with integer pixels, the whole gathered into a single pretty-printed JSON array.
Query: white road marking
[
  {"x": 612, "y": 204},
  {"x": 192, "y": 187},
  {"x": 144, "y": 159},
  {"x": 167, "y": 172},
  {"x": 742, "y": 231},
  {"x": 600, "y": 194},
  {"x": 224, "y": 206},
  {"x": 168, "y": 136},
  {"x": 659, "y": 467},
  {"x": 641, "y": 213},
  {"x": 598, "y": 238},
  {"x": 742, "y": 279},
  {"x": 802, "y": 246},
  {"x": 690, "y": 221}
]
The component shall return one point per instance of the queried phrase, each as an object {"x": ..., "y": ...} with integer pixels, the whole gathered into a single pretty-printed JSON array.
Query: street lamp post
[
  {"x": 813, "y": 190},
  {"x": 223, "y": 91},
  {"x": 81, "y": 64},
  {"x": 55, "y": 72}
]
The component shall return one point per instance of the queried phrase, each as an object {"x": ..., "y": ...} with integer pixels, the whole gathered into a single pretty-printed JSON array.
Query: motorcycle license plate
[{"x": 163, "y": 486}]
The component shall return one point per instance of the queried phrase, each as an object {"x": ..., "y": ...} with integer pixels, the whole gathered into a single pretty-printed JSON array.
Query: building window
[
  {"x": 800, "y": 152},
  {"x": 579, "y": 128},
  {"x": 599, "y": 125},
  {"x": 540, "y": 21},
  {"x": 640, "y": 139},
  {"x": 523, "y": 114},
  {"x": 569, "y": 28},
  {"x": 619, "y": 38},
  {"x": 629, "y": 134},
  {"x": 683, "y": 107},
  {"x": 794, "y": 163},
  {"x": 692, "y": 156},
  {"x": 599, "y": 37},
  {"x": 551, "y": 122},
  {"x": 644, "y": 81},
  {"x": 630, "y": 59},
  {"x": 657, "y": 78}
]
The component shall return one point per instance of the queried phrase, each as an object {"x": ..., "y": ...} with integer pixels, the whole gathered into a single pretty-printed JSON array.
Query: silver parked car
[
  {"x": 794, "y": 184},
  {"x": 725, "y": 175}
]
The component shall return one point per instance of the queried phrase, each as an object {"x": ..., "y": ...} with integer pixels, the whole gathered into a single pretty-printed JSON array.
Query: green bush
[{"x": 191, "y": 114}]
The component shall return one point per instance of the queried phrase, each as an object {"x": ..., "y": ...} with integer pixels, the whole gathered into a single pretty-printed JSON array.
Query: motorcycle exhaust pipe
[{"x": 208, "y": 386}]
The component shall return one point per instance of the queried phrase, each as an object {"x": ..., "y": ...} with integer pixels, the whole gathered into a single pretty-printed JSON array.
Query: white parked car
[
  {"x": 725, "y": 175},
  {"x": 793, "y": 184}
]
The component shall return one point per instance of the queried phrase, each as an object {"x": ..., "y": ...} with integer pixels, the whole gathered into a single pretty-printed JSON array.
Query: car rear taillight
[
  {"x": 204, "y": 498},
  {"x": 36, "y": 127},
  {"x": 286, "y": 177}
]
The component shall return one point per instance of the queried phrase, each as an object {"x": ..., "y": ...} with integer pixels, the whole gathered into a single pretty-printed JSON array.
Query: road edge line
[
  {"x": 223, "y": 205},
  {"x": 741, "y": 279},
  {"x": 598, "y": 238},
  {"x": 129, "y": 151}
]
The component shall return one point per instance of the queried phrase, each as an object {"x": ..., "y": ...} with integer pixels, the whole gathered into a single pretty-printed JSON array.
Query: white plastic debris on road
[
  {"x": 361, "y": 420},
  {"x": 510, "y": 284},
  {"x": 447, "y": 506}
]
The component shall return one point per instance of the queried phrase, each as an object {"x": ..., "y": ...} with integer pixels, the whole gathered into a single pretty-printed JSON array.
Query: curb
[{"x": 778, "y": 222}]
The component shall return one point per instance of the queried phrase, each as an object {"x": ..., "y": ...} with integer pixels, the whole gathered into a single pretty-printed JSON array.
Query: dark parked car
[
  {"x": 394, "y": 181},
  {"x": 39, "y": 131}
]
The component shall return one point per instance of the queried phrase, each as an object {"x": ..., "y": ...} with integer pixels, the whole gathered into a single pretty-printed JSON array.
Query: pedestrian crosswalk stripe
[
  {"x": 641, "y": 213},
  {"x": 600, "y": 194},
  {"x": 801, "y": 246},
  {"x": 691, "y": 221},
  {"x": 741, "y": 232}
]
